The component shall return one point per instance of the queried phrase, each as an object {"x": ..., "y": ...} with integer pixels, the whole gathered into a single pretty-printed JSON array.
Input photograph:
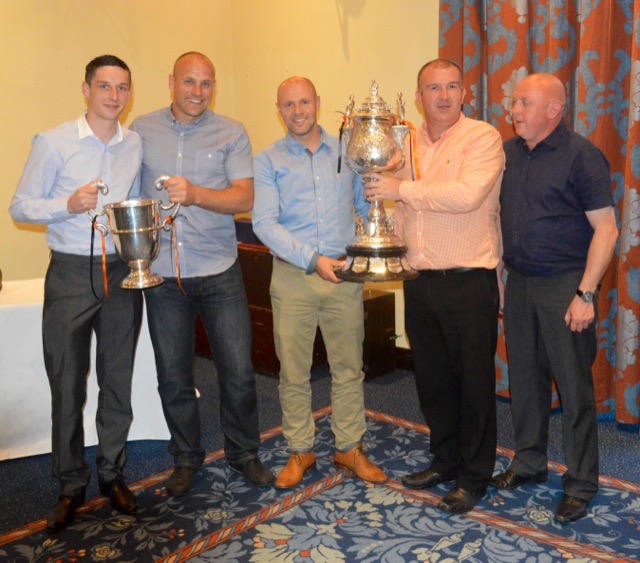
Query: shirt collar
[
  {"x": 84, "y": 130},
  {"x": 551, "y": 142},
  {"x": 445, "y": 133},
  {"x": 297, "y": 147},
  {"x": 179, "y": 126}
]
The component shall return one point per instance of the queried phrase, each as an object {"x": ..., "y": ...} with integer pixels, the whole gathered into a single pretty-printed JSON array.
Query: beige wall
[{"x": 340, "y": 44}]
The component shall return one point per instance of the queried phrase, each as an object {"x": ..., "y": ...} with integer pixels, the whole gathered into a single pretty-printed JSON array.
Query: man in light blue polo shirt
[
  {"x": 57, "y": 188},
  {"x": 304, "y": 213},
  {"x": 207, "y": 157}
]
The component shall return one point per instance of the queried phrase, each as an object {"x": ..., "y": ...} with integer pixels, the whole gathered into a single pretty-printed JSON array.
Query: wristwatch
[{"x": 586, "y": 296}]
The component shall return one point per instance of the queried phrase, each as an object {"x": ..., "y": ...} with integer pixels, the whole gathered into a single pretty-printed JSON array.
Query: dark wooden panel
[{"x": 379, "y": 350}]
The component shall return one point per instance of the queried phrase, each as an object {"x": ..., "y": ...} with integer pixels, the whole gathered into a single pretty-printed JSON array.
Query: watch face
[{"x": 586, "y": 296}]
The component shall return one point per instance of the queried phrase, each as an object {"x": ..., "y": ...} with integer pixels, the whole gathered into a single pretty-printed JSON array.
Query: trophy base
[
  {"x": 141, "y": 279},
  {"x": 376, "y": 265}
]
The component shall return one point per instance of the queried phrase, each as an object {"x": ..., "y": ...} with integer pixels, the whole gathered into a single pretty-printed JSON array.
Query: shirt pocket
[{"x": 210, "y": 169}]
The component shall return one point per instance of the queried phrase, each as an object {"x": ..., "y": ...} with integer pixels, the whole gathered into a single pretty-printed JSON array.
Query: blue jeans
[{"x": 222, "y": 304}]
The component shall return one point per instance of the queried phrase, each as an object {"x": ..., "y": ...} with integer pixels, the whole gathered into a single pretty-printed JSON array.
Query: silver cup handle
[
  {"x": 166, "y": 224},
  {"x": 92, "y": 214}
]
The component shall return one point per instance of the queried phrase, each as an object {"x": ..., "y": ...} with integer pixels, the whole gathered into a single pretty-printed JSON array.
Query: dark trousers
[
  {"x": 71, "y": 314},
  {"x": 451, "y": 322},
  {"x": 222, "y": 304},
  {"x": 539, "y": 343}
]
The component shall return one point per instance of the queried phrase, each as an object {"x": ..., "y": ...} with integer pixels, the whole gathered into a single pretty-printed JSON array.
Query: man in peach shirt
[{"x": 448, "y": 218}]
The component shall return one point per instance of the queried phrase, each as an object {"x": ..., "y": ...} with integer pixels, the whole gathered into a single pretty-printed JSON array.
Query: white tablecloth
[{"x": 25, "y": 398}]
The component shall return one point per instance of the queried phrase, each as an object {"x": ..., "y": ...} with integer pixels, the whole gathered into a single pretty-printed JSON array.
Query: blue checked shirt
[{"x": 210, "y": 152}]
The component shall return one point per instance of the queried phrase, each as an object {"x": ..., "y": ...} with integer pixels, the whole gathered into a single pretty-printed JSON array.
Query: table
[{"x": 25, "y": 398}]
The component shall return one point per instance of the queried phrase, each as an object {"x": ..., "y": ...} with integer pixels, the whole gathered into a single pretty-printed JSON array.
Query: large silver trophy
[
  {"x": 375, "y": 138},
  {"x": 135, "y": 226}
]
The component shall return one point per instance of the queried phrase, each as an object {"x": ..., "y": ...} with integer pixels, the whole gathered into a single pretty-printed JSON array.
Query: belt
[{"x": 444, "y": 273}]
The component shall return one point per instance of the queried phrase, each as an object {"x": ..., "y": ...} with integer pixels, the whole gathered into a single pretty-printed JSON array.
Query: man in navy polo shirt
[{"x": 559, "y": 232}]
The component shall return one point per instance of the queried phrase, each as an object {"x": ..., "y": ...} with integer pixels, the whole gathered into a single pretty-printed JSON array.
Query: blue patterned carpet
[{"x": 333, "y": 517}]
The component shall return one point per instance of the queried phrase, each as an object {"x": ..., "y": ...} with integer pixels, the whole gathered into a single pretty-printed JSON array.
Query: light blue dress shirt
[
  {"x": 64, "y": 159},
  {"x": 209, "y": 152},
  {"x": 303, "y": 208}
]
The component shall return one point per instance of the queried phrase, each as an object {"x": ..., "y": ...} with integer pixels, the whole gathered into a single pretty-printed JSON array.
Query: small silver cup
[{"x": 135, "y": 226}]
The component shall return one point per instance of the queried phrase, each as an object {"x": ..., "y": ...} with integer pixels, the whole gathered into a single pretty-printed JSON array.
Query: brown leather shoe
[
  {"x": 292, "y": 473},
  {"x": 122, "y": 499},
  {"x": 356, "y": 460},
  {"x": 571, "y": 509},
  {"x": 63, "y": 513}
]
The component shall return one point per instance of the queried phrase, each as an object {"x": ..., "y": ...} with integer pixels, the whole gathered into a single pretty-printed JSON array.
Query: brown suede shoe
[
  {"x": 292, "y": 473},
  {"x": 356, "y": 460}
]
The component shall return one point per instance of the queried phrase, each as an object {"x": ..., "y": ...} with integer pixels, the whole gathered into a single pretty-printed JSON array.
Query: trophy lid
[{"x": 374, "y": 105}]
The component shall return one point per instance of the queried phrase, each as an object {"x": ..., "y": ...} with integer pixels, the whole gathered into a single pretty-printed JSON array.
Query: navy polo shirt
[{"x": 545, "y": 193}]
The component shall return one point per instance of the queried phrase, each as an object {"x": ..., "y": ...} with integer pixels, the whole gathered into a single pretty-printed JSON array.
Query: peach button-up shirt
[{"x": 449, "y": 216}]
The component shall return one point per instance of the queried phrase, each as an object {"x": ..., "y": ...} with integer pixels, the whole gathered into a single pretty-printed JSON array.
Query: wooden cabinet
[{"x": 379, "y": 317}]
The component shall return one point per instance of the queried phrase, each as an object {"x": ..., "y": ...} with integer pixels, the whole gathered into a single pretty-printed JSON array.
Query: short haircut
[
  {"x": 103, "y": 60},
  {"x": 438, "y": 63}
]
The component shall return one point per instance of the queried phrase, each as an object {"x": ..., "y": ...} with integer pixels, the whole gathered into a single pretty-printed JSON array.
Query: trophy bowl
[{"x": 135, "y": 226}]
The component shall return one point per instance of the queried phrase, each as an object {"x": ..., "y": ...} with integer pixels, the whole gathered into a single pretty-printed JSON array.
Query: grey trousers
[
  {"x": 71, "y": 315},
  {"x": 540, "y": 345}
]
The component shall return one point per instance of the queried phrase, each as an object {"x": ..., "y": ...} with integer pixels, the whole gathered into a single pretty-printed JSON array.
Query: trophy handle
[
  {"x": 166, "y": 224},
  {"x": 92, "y": 214}
]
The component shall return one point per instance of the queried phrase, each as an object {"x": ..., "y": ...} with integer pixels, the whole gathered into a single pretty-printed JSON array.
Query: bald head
[
  {"x": 538, "y": 105},
  {"x": 547, "y": 85},
  {"x": 294, "y": 81},
  {"x": 191, "y": 56}
]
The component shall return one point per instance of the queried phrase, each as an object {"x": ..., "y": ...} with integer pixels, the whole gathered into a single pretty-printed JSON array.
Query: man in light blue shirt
[
  {"x": 57, "y": 188},
  {"x": 304, "y": 213},
  {"x": 208, "y": 160}
]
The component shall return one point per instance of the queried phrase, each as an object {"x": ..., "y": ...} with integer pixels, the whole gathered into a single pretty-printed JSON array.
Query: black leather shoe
[
  {"x": 511, "y": 480},
  {"x": 122, "y": 499},
  {"x": 571, "y": 509},
  {"x": 459, "y": 501},
  {"x": 181, "y": 480},
  {"x": 254, "y": 471},
  {"x": 63, "y": 512},
  {"x": 424, "y": 479}
]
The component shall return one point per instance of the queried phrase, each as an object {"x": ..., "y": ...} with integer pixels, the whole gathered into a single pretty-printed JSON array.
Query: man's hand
[
  {"x": 83, "y": 199},
  {"x": 579, "y": 315},
  {"x": 325, "y": 268},
  {"x": 181, "y": 191},
  {"x": 378, "y": 187}
]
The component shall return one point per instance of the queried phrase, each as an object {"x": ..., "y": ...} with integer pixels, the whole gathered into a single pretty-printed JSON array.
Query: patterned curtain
[{"x": 593, "y": 46}]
